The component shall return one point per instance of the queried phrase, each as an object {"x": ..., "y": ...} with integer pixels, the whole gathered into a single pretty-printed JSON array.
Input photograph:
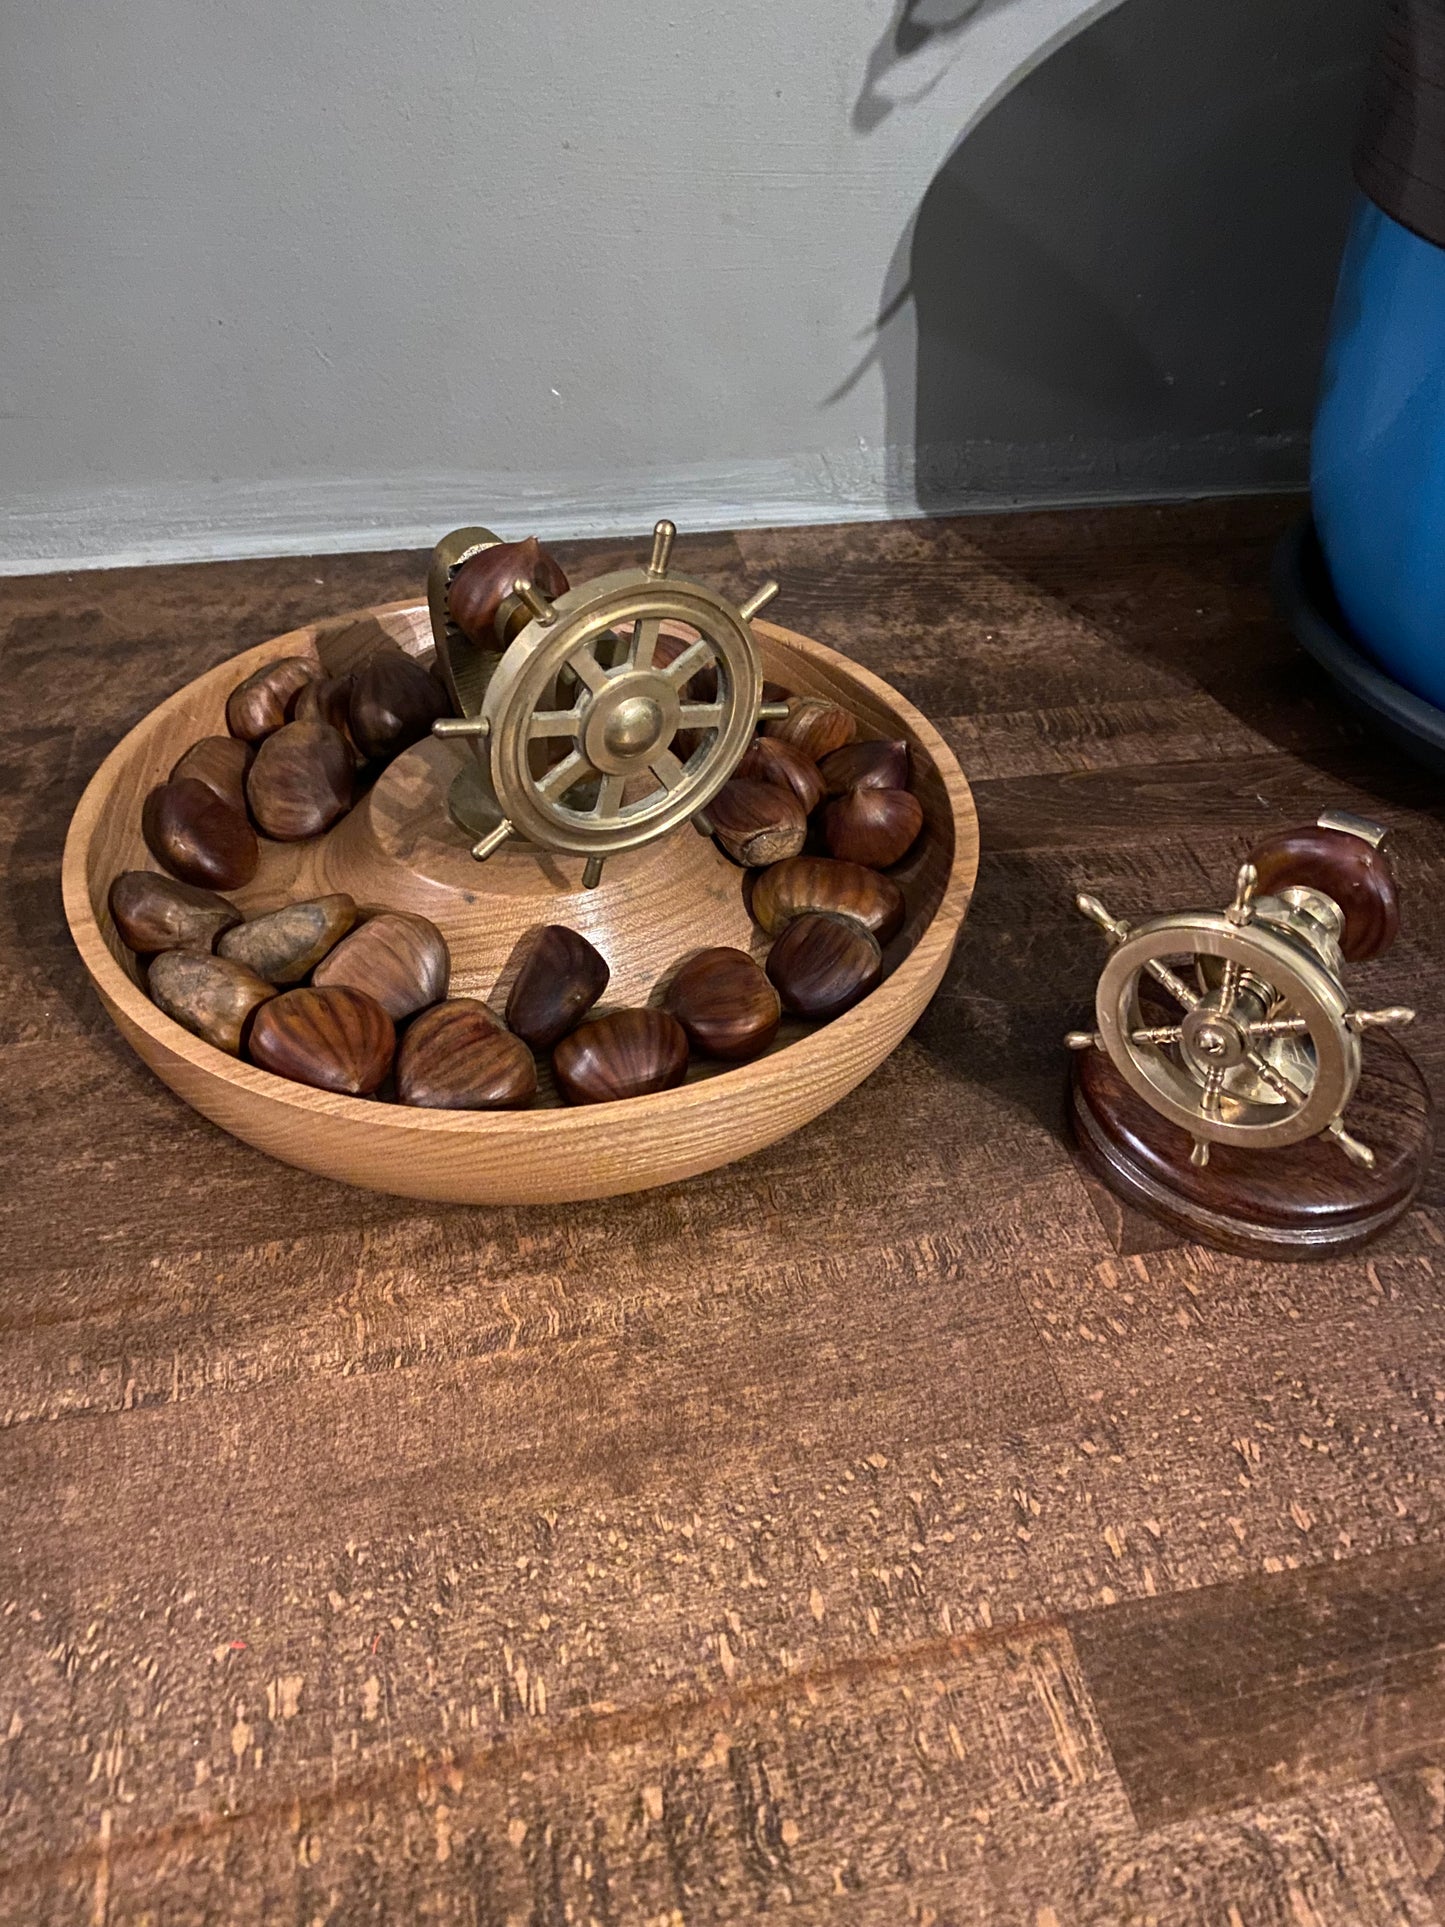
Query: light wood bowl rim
[{"x": 907, "y": 989}]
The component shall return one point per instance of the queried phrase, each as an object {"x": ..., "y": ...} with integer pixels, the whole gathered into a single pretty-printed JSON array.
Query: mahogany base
[{"x": 1307, "y": 1201}]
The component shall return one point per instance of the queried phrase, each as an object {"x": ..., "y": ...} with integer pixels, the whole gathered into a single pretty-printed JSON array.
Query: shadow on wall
[
  {"x": 918, "y": 24},
  {"x": 1122, "y": 276}
]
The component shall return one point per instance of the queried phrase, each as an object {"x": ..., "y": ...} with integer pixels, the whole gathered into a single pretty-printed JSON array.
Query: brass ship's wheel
[
  {"x": 1235, "y": 1024},
  {"x": 606, "y": 717}
]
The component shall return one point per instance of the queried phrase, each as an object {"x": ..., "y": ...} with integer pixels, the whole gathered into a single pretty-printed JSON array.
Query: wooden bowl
[{"x": 398, "y": 849}]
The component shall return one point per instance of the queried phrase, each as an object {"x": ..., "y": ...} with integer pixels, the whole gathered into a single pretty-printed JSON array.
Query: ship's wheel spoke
[
  {"x": 556, "y": 782},
  {"x": 1229, "y": 986},
  {"x": 1160, "y": 1034},
  {"x": 1175, "y": 985},
  {"x": 685, "y": 667},
  {"x": 701, "y": 716},
  {"x": 609, "y": 796},
  {"x": 553, "y": 722},
  {"x": 1279, "y": 1027},
  {"x": 666, "y": 768},
  {"x": 1275, "y": 1078},
  {"x": 644, "y": 642},
  {"x": 586, "y": 668},
  {"x": 1213, "y": 1089}
]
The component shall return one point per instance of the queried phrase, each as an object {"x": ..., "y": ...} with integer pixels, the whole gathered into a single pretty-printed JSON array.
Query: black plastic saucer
[{"x": 1303, "y": 592}]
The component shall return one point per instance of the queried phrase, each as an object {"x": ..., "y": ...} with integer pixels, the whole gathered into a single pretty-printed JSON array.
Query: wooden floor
[{"x": 857, "y": 1534}]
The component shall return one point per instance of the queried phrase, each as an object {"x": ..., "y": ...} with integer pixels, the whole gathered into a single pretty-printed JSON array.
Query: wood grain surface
[{"x": 853, "y": 1534}]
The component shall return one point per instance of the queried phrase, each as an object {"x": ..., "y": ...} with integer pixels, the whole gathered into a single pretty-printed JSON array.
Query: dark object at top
[{"x": 1400, "y": 153}]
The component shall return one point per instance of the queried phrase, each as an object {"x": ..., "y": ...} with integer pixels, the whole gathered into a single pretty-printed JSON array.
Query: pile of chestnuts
[
  {"x": 302, "y": 747},
  {"x": 820, "y": 817},
  {"x": 356, "y": 1003}
]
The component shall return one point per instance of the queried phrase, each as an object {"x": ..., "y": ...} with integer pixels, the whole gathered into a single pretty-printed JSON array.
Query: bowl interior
[{"x": 398, "y": 848}]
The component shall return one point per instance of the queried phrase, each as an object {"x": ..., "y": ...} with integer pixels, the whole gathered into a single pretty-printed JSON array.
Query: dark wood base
[{"x": 1308, "y": 1201}]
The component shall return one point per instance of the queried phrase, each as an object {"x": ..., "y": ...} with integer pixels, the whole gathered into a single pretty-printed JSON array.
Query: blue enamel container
[{"x": 1378, "y": 457}]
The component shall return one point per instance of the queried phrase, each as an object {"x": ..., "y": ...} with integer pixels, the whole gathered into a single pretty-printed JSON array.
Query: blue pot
[{"x": 1377, "y": 470}]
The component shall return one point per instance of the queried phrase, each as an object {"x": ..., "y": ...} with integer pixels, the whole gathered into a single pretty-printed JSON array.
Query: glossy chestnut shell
[
  {"x": 822, "y": 965},
  {"x": 725, "y": 1003},
  {"x": 822, "y": 883},
  {"x": 628, "y": 1053}
]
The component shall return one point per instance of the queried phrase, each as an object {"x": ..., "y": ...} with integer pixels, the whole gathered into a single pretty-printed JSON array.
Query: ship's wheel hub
[
  {"x": 1214, "y": 1040},
  {"x": 627, "y": 721}
]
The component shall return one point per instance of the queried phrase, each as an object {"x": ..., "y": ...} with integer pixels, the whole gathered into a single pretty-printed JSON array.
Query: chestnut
[
  {"x": 874, "y": 765},
  {"x": 209, "y": 995},
  {"x": 873, "y": 827},
  {"x": 335, "y": 1040},
  {"x": 152, "y": 913},
  {"x": 326, "y": 699},
  {"x": 823, "y": 883},
  {"x": 560, "y": 979},
  {"x": 767, "y": 759},
  {"x": 282, "y": 945},
  {"x": 220, "y": 762},
  {"x": 725, "y": 1003},
  {"x": 823, "y": 965},
  {"x": 396, "y": 957},
  {"x": 628, "y": 1053},
  {"x": 813, "y": 725},
  {"x": 457, "y": 1057},
  {"x": 302, "y": 780},
  {"x": 757, "y": 823},
  {"x": 481, "y": 585},
  {"x": 199, "y": 837},
  {"x": 393, "y": 703},
  {"x": 263, "y": 701}
]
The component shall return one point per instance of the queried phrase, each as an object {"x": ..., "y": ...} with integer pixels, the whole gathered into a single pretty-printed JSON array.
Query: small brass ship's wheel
[
  {"x": 1235, "y": 1024},
  {"x": 612, "y": 714},
  {"x": 1257, "y": 1053}
]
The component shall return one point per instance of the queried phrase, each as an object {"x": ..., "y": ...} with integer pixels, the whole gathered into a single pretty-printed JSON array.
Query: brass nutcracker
[
  {"x": 584, "y": 742},
  {"x": 1236, "y": 1028}
]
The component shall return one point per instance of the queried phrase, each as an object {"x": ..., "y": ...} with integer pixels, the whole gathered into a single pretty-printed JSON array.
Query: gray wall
[{"x": 326, "y": 276}]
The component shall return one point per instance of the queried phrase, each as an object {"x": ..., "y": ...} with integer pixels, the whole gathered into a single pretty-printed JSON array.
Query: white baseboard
[{"x": 49, "y": 532}]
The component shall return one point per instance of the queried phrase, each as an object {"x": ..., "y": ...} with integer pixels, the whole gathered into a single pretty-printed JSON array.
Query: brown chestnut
[
  {"x": 209, "y": 995},
  {"x": 725, "y": 1003},
  {"x": 823, "y": 883},
  {"x": 481, "y": 585},
  {"x": 282, "y": 945},
  {"x": 399, "y": 959},
  {"x": 152, "y": 913},
  {"x": 767, "y": 759},
  {"x": 457, "y": 1057},
  {"x": 823, "y": 965},
  {"x": 220, "y": 762},
  {"x": 873, "y": 827},
  {"x": 628, "y": 1053},
  {"x": 325, "y": 699},
  {"x": 757, "y": 823},
  {"x": 335, "y": 1040},
  {"x": 874, "y": 765},
  {"x": 394, "y": 703},
  {"x": 263, "y": 701},
  {"x": 198, "y": 837},
  {"x": 560, "y": 979},
  {"x": 814, "y": 725},
  {"x": 302, "y": 780}
]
